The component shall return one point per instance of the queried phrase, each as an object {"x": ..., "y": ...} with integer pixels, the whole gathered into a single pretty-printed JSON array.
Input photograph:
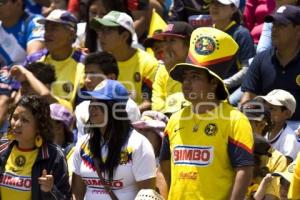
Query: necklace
[{"x": 196, "y": 125}]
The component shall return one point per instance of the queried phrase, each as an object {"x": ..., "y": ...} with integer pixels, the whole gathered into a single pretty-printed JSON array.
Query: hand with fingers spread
[{"x": 46, "y": 181}]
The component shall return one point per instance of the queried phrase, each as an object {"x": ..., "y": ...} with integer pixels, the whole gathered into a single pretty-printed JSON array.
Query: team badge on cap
[
  {"x": 209, "y": 46},
  {"x": 206, "y": 45}
]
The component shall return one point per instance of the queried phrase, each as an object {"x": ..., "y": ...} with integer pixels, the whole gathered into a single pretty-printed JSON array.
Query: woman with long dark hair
[
  {"x": 31, "y": 167},
  {"x": 113, "y": 160}
]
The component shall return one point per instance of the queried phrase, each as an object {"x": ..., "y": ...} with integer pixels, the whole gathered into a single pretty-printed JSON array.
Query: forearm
[
  {"x": 78, "y": 187},
  {"x": 236, "y": 79},
  {"x": 35, "y": 46},
  {"x": 165, "y": 168},
  {"x": 147, "y": 184},
  {"x": 4, "y": 104},
  {"x": 36, "y": 85},
  {"x": 260, "y": 193},
  {"x": 243, "y": 178},
  {"x": 247, "y": 96},
  {"x": 140, "y": 22},
  {"x": 145, "y": 105}
]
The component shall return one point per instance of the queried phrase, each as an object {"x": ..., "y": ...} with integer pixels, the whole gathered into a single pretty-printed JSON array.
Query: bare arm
[
  {"x": 146, "y": 184},
  {"x": 35, "y": 46},
  {"x": 260, "y": 193},
  {"x": 141, "y": 22},
  {"x": 145, "y": 105},
  {"x": 22, "y": 74},
  {"x": 165, "y": 167},
  {"x": 247, "y": 96},
  {"x": 243, "y": 179},
  {"x": 78, "y": 187},
  {"x": 4, "y": 104}
]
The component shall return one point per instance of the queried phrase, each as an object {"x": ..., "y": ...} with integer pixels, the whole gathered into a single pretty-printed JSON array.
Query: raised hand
[{"x": 46, "y": 181}]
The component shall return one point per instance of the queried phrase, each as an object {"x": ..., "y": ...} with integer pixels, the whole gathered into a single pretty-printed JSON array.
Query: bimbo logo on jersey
[
  {"x": 193, "y": 155},
  {"x": 14, "y": 182},
  {"x": 97, "y": 183}
]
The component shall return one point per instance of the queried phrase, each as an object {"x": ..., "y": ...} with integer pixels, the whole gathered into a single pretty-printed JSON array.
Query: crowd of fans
[{"x": 95, "y": 106}]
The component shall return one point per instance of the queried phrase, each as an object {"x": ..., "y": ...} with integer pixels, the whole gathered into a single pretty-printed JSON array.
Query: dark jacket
[{"x": 51, "y": 158}]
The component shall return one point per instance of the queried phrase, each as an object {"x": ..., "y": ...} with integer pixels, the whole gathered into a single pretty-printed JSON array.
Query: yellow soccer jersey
[
  {"x": 276, "y": 163},
  {"x": 203, "y": 159},
  {"x": 69, "y": 75},
  {"x": 163, "y": 86},
  {"x": 139, "y": 69},
  {"x": 294, "y": 191},
  {"x": 16, "y": 180}
]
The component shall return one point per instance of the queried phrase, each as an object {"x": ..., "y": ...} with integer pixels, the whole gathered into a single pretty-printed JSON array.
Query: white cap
[
  {"x": 280, "y": 97},
  {"x": 236, "y": 3},
  {"x": 115, "y": 18}
]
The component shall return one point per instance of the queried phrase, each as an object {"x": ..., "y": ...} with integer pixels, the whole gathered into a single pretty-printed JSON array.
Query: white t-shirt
[
  {"x": 137, "y": 164},
  {"x": 286, "y": 142}
]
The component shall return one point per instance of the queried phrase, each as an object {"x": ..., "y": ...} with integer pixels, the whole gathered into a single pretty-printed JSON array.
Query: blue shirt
[
  {"x": 14, "y": 40},
  {"x": 33, "y": 7},
  {"x": 243, "y": 38},
  {"x": 266, "y": 74}
]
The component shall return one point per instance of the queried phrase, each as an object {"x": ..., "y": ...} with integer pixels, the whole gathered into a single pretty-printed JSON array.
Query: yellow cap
[{"x": 210, "y": 46}]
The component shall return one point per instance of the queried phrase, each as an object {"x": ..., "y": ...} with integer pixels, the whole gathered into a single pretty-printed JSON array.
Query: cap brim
[
  {"x": 224, "y": 2},
  {"x": 271, "y": 101},
  {"x": 43, "y": 21},
  {"x": 279, "y": 18},
  {"x": 98, "y": 22},
  {"x": 178, "y": 70},
  {"x": 161, "y": 36},
  {"x": 149, "y": 42}
]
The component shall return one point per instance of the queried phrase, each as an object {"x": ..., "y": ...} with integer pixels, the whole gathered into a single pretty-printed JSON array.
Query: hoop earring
[{"x": 38, "y": 141}]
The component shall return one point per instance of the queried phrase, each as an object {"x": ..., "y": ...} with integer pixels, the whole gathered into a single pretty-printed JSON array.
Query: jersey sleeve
[
  {"x": 149, "y": 70},
  {"x": 35, "y": 31},
  {"x": 240, "y": 142},
  {"x": 159, "y": 93},
  {"x": 144, "y": 165}
]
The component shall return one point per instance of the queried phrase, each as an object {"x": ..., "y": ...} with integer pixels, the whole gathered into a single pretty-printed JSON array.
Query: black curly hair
[{"x": 40, "y": 109}]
